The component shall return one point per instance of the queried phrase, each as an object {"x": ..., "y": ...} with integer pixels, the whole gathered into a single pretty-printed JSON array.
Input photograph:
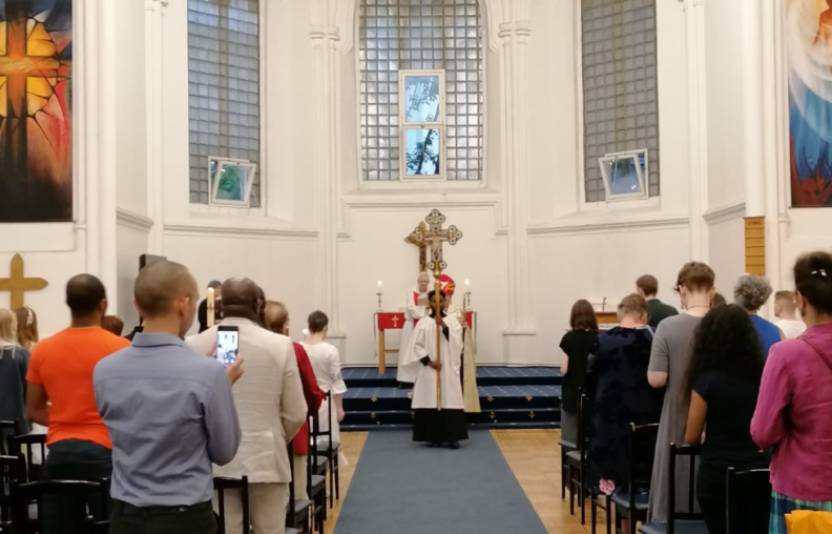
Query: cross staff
[{"x": 436, "y": 234}]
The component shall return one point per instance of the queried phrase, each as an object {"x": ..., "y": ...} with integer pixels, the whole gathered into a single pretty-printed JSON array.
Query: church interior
[{"x": 526, "y": 162}]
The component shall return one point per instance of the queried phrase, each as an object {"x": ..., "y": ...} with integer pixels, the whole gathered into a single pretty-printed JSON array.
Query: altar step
[{"x": 510, "y": 397}]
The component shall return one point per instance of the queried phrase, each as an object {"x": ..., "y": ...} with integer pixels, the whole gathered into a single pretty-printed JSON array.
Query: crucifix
[
  {"x": 417, "y": 237},
  {"x": 17, "y": 283},
  {"x": 30, "y": 69},
  {"x": 436, "y": 235},
  {"x": 395, "y": 321}
]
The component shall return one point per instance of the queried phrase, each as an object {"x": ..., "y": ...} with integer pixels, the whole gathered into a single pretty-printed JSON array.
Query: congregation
[
  {"x": 156, "y": 423},
  {"x": 746, "y": 395}
]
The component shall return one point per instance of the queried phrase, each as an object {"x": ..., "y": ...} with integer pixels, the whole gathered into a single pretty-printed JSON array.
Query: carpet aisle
[{"x": 407, "y": 488}]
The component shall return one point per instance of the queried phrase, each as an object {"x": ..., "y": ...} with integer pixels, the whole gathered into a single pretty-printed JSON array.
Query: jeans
[
  {"x": 196, "y": 519},
  {"x": 75, "y": 460}
]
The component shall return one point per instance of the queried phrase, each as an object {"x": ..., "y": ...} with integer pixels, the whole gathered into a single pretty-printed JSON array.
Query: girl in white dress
[{"x": 326, "y": 363}]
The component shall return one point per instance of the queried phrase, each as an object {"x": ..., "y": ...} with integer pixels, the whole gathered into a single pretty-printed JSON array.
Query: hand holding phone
[{"x": 228, "y": 344}]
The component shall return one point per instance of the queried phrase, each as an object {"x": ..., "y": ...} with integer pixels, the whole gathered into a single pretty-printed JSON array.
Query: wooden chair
[
  {"x": 565, "y": 448},
  {"x": 330, "y": 450},
  {"x": 748, "y": 501},
  {"x": 24, "y": 446},
  {"x": 62, "y": 491},
  {"x": 297, "y": 511},
  {"x": 223, "y": 484},
  {"x": 689, "y": 521},
  {"x": 576, "y": 461},
  {"x": 316, "y": 483},
  {"x": 632, "y": 504},
  {"x": 12, "y": 471}
]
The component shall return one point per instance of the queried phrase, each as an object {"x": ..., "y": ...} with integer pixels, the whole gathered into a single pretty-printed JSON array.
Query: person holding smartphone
[
  {"x": 270, "y": 401},
  {"x": 170, "y": 413}
]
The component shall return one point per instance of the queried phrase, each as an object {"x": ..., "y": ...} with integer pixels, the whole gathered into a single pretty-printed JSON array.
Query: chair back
[
  {"x": 748, "y": 501},
  {"x": 290, "y": 510},
  {"x": 691, "y": 451},
  {"x": 12, "y": 471},
  {"x": 223, "y": 484},
  {"x": 584, "y": 420},
  {"x": 24, "y": 446},
  {"x": 312, "y": 456},
  {"x": 62, "y": 491},
  {"x": 642, "y": 452},
  {"x": 7, "y": 430}
]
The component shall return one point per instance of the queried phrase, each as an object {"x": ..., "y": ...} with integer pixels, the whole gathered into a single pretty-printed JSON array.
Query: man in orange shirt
[{"x": 60, "y": 395}]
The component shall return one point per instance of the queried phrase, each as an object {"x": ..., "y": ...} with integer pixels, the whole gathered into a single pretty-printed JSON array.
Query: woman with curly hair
[
  {"x": 793, "y": 410},
  {"x": 751, "y": 292},
  {"x": 722, "y": 383}
]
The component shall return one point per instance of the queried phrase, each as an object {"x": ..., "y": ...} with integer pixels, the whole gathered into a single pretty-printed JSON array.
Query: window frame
[
  {"x": 212, "y": 193},
  {"x": 642, "y": 172},
  {"x": 405, "y": 126}
]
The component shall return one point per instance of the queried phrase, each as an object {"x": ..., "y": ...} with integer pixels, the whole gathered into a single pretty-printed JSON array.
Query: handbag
[{"x": 809, "y": 522}]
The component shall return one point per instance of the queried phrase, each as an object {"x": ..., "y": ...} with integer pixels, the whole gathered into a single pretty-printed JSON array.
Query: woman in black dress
[
  {"x": 618, "y": 384},
  {"x": 576, "y": 345}
]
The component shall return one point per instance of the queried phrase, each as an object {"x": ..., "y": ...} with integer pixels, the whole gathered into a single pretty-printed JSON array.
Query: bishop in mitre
[
  {"x": 416, "y": 304},
  {"x": 430, "y": 424},
  {"x": 470, "y": 391}
]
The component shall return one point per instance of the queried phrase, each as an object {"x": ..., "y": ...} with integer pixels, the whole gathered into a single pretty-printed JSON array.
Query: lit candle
[
  {"x": 211, "y": 306},
  {"x": 467, "y": 282},
  {"x": 380, "y": 283}
]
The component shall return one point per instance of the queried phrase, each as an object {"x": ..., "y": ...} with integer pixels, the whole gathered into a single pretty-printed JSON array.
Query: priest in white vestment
[
  {"x": 415, "y": 309},
  {"x": 431, "y": 425}
]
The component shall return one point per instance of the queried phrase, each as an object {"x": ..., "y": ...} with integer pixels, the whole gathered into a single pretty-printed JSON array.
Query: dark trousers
[
  {"x": 75, "y": 460},
  {"x": 196, "y": 519},
  {"x": 711, "y": 494}
]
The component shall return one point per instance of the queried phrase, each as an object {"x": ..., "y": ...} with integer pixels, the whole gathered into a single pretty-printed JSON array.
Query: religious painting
[
  {"x": 809, "y": 51},
  {"x": 231, "y": 182},
  {"x": 35, "y": 110}
]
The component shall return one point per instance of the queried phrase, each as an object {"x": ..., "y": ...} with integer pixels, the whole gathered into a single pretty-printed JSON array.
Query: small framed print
[
  {"x": 231, "y": 182},
  {"x": 625, "y": 175}
]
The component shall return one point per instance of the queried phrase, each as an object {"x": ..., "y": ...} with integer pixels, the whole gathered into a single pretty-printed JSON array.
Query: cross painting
[
  {"x": 809, "y": 48},
  {"x": 35, "y": 110}
]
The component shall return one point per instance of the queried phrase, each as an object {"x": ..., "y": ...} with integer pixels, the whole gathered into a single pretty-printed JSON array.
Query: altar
[{"x": 385, "y": 321}]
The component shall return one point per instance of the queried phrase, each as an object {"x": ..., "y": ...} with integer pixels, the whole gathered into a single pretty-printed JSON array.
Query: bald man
[
  {"x": 60, "y": 396},
  {"x": 272, "y": 409},
  {"x": 170, "y": 413}
]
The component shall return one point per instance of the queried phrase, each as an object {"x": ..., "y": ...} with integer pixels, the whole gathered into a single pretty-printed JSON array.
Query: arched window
[
  {"x": 223, "y": 88},
  {"x": 621, "y": 107},
  {"x": 430, "y": 126}
]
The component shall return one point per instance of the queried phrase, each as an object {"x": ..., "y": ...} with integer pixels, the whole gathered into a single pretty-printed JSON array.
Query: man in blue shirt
[{"x": 170, "y": 414}]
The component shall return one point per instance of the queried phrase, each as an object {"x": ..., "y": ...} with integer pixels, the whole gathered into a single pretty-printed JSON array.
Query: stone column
[{"x": 155, "y": 10}]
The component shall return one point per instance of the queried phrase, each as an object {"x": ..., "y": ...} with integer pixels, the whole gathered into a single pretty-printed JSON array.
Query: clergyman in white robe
[
  {"x": 415, "y": 309},
  {"x": 445, "y": 426}
]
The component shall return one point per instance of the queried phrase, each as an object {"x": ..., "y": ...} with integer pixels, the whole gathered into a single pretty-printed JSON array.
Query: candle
[
  {"x": 380, "y": 283},
  {"x": 467, "y": 282},
  {"x": 211, "y": 306}
]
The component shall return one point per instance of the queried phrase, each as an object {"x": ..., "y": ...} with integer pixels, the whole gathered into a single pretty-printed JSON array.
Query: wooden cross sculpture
[
  {"x": 17, "y": 283},
  {"x": 417, "y": 237},
  {"x": 436, "y": 235}
]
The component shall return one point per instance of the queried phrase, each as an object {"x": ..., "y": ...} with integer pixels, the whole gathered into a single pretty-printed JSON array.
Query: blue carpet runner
[
  {"x": 407, "y": 488},
  {"x": 510, "y": 397}
]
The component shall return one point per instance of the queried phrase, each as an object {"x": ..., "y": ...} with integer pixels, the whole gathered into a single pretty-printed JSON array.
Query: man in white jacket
[{"x": 270, "y": 405}]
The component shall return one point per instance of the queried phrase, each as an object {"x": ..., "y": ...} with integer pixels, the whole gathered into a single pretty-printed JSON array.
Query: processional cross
[
  {"x": 17, "y": 283},
  {"x": 436, "y": 235}
]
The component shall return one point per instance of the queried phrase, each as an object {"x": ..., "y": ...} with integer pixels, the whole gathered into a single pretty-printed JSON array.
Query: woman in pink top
[{"x": 794, "y": 408}]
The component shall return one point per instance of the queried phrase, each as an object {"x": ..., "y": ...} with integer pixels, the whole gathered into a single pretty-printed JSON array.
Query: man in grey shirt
[{"x": 170, "y": 414}]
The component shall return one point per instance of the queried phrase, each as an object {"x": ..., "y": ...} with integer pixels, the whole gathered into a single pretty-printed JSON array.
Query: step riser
[{"x": 480, "y": 418}]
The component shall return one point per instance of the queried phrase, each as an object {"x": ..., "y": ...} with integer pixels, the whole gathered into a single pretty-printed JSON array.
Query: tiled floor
[{"x": 533, "y": 456}]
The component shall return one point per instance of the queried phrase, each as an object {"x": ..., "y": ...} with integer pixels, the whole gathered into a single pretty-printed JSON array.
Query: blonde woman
[
  {"x": 27, "y": 328},
  {"x": 14, "y": 363}
]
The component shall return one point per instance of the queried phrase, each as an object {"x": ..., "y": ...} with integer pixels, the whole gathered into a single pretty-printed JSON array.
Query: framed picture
[
  {"x": 422, "y": 124},
  {"x": 625, "y": 175},
  {"x": 231, "y": 182}
]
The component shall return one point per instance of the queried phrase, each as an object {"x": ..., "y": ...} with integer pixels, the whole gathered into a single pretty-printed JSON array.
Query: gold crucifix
[
  {"x": 437, "y": 235},
  {"x": 17, "y": 283}
]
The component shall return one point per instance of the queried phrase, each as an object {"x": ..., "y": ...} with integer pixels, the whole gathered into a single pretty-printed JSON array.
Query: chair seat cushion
[
  {"x": 292, "y": 531},
  {"x": 320, "y": 464},
  {"x": 622, "y": 501},
  {"x": 568, "y": 445},
  {"x": 318, "y": 481},
  {"x": 682, "y": 527},
  {"x": 323, "y": 445},
  {"x": 301, "y": 507},
  {"x": 574, "y": 458}
]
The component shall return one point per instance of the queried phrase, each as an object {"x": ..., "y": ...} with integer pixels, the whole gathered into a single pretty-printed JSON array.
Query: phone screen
[{"x": 228, "y": 343}]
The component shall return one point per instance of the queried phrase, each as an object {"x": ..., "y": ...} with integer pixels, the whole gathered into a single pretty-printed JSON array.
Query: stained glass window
[
  {"x": 421, "y": 35},
  {"x": 621, "y": 111},
  {"x": 223, "y": 88}
]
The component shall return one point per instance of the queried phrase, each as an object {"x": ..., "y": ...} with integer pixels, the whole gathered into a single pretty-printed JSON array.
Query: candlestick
[
  {"x": 466, "y": 304},
  {"x": 379, "y": 294}
]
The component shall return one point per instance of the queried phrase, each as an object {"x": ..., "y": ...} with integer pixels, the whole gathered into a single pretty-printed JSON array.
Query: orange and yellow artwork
[{"x": 35, "y": 110}]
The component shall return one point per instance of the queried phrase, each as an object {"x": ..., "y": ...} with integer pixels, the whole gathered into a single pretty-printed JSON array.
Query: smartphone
[{"x": 228, "y": 343}]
